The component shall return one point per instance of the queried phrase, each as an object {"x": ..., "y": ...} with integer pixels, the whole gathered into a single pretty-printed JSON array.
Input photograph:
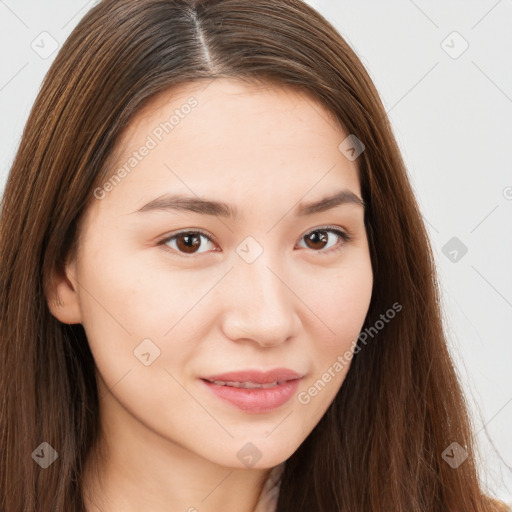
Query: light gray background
[{"x": 451, "y": 112}]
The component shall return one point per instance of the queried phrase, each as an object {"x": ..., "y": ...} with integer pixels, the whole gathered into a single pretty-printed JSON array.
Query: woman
[{"x": 217, "y": 290}]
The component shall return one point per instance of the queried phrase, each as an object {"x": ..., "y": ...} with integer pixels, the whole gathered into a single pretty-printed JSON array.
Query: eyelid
[
  {"x": 343, "y": 233},
  {"x": 188, "y": 230}
]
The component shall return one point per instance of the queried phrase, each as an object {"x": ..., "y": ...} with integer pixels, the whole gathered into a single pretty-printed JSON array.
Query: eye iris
[
  {"x": 191, "y": 242},
  {"x": 316, "y": 236}
]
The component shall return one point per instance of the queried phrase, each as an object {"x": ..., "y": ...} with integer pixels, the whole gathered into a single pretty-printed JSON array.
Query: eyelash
[{"x": 333, "y": 229}]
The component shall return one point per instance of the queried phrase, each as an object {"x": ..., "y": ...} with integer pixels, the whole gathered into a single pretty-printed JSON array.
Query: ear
[{"x": 62, "y": 295}]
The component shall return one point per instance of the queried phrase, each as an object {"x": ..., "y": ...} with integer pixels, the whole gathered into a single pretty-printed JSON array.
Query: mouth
[
  {"x": 254, "y": 378},
  {"x": 249, "y": 384},
  {"x": 255, "y": 392}
]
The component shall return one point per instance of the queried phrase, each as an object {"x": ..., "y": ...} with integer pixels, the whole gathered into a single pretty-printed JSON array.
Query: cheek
[
  {"x": 125, "y": 291},
  {"x": 348, "y": 303},
  {"x": 130, "y": 310},
  {"x": 341, "y": 304},
  {"x": 340, "y": 299}
]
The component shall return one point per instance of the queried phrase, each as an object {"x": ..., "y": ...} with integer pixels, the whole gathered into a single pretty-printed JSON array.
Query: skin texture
[{"x": 172, "y": 444}]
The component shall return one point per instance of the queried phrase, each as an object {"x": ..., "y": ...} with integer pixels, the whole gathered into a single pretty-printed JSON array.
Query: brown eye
[
  {"x": 319, "y": 239},
  {"x": 186, "y": 242},
  {"x": 316, "y": 240}
]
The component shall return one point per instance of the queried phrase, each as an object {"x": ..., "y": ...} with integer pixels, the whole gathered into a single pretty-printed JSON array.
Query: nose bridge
[
  {"x": 262, "y": 307},
  {"x": 263, "y": 288}
]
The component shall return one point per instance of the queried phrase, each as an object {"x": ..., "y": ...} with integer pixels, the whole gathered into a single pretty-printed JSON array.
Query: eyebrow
[{"x": 177, "y": 202}]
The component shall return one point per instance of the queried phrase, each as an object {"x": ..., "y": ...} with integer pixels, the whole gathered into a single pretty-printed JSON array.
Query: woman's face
[{"x": 272, "y": 286}]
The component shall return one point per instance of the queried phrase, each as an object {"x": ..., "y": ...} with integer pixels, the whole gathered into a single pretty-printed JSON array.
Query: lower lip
[{"x": 255, "y": 400}]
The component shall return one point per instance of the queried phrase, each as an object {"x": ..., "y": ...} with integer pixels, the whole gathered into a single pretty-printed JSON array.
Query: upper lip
[{"x": 256, "y": 376}]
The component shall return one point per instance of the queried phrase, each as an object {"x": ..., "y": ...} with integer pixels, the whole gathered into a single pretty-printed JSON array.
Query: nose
[{"x": 259, "y": 304}]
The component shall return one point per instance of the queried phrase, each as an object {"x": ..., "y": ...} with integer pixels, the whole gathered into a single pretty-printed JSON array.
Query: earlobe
[{"x": 63, "y": 298}]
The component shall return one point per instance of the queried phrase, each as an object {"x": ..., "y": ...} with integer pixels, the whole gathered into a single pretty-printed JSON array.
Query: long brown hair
[{"x": 379, "y": 446}]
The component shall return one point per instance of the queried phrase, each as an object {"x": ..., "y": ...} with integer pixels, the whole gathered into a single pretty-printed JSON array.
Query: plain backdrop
[{"x": 443, "y": 70}]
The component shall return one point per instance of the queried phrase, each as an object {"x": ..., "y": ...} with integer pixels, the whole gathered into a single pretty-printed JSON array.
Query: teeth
[{"x": 248, "y": 385}]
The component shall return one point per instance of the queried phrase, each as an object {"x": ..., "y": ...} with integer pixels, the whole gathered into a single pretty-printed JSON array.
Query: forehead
[{"x": 230, "y": 136}]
